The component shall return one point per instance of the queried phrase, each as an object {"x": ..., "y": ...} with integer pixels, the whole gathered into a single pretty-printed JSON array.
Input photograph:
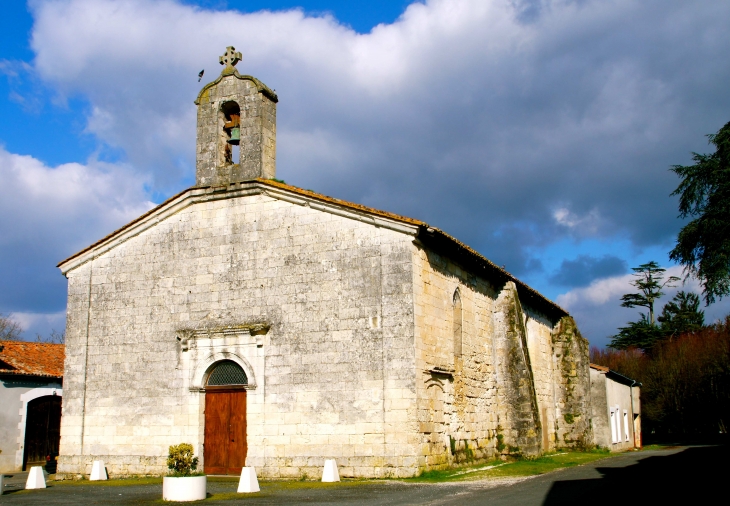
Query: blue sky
[{"x": 538, "y": 131}]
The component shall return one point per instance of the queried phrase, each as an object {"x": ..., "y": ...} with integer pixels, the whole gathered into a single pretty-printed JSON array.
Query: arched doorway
[
  {"x": 225, "y": 419},
  {"x": 42, "y": 431}
]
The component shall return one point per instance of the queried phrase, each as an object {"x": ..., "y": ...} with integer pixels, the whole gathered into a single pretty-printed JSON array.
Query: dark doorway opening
[{"x": 42, "y": 432}]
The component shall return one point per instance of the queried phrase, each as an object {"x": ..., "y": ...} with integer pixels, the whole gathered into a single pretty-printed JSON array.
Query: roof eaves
[
  {"x": 440, "y": 240},
  {"x": 125, "y": 227},
  {"x": 25, "y": 374}
]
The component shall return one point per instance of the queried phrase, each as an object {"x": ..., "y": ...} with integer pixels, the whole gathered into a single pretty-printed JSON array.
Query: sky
[{"x": 540, "y": 132}]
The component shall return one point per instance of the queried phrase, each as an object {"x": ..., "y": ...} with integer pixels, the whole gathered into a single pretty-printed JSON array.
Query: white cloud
[
  {"x": 597, "y": 307},
  {"x": 588, "y": 224},
  {"x": 42, "y": 324},
  {"x": 48, "y": 213},
  {"x": 482, "y": 117},
  {"x": 459, "y": 108}
]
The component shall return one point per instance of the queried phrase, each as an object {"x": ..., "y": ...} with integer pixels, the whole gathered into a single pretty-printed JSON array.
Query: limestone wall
[
  {"x": 333, "y": 372},
  {"x": 487, "y": 400},
  {"x": 457, "y": 415},
  {"x": 572, "y": 386},
  {"x": 502, "y": 391},
  {"x": 539, "y": 343}
]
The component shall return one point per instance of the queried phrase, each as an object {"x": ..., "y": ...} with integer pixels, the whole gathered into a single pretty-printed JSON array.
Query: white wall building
[{"x": 616, "y": 409}]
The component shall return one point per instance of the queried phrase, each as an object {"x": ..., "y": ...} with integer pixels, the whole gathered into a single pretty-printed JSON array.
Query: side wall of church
[
  {"x": 495, "y": 393},
  {"x": 333, "y": 374},
  {"x": 457, "y": 395}
]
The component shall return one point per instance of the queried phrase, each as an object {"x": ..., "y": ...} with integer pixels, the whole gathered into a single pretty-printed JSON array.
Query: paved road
[{"x": 683, "y": 473}]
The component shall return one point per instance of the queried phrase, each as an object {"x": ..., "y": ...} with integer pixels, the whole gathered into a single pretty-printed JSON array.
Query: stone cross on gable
[{"x": 231, "y": 57}]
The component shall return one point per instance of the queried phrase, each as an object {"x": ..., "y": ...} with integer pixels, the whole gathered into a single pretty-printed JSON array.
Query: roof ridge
[{"x": 423, "y": 226}]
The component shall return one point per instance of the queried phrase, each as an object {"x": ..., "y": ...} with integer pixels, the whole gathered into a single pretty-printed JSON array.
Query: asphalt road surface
[{"x": 669, "y": 476}]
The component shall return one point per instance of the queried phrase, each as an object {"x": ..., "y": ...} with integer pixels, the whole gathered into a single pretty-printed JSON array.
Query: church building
[{"x": 275, "y": 327}]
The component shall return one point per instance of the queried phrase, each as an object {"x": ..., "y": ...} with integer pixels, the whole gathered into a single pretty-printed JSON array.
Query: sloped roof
[
  {"x": 600, "y": 368},
  {"x": 428, "y": 235},
  {"x": 616, "y": 376},
  {"x": 22, "y": 358}
]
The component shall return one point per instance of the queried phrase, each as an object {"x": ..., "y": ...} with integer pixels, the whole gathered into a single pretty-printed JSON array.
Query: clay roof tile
[{"x": 32, "y": 359}]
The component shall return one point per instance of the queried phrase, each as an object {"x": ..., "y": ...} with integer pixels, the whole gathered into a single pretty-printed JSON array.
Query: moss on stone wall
[{"x": 570, "y": 349}]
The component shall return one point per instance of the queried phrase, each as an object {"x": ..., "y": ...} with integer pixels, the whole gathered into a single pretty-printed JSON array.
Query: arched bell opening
[
  {"x": 225, "y": 444},
  {"x": 231, "y": 116}
]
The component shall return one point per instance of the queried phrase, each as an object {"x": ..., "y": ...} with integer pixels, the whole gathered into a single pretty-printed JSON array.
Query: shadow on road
[{"x": 696, "y": 473}]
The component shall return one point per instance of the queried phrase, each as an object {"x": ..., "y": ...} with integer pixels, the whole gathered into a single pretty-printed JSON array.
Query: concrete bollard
[
  {"x": 35, "y": 478},
  {"x": 2, "y": 486},
  {"x": 98, "y": 471},
  {"x": 330, "y": 474},
  {"x": 248, "y": 483}
]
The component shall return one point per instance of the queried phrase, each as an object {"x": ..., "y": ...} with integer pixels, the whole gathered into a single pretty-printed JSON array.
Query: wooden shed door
[
  {"x": 42, "y": 430},
  {"x": 225, "y": 430}
]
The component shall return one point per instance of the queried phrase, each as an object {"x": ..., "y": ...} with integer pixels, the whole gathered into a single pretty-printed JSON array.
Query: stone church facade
[{"x": 274, "y": 327}]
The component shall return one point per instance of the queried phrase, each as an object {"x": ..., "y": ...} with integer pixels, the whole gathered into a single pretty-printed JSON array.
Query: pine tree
[{"x": 703, "y": 244}]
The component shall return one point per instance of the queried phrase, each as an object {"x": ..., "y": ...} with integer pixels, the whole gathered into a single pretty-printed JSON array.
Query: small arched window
[
  {"x": 227, "y": 372},
  {"x": 457, "y": 324}
]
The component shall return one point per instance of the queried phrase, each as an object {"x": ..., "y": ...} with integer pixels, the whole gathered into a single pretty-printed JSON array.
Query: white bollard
[
  {"x": 330, "y": 473},
  {"x": 248, "y": 482},
  {"x": 35, "y": 478},
  {"x": 98, "y": 471}
]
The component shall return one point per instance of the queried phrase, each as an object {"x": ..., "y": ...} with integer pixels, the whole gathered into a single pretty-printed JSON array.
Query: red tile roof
[
  {"x": 599, "y": 368},
  {"x": 32, "y": 359}
]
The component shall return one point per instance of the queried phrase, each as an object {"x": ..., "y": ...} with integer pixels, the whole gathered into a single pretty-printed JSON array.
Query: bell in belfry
[
  {"x": 234, "y": 128},
  {"x": 235, "y": 136}
]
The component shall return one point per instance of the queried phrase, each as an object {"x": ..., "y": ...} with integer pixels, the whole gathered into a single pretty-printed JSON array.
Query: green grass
[
  {"x": 120, "y": 482},
  {"x": 659, "y": 446},
  {"x": 517, "y": 468},
  {"x": 493, "y": 469}
]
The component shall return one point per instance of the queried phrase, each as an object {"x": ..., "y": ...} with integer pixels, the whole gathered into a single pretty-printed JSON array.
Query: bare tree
[
  {"x": 55, "y": 337},
  {"x": 10, "y": 330}
]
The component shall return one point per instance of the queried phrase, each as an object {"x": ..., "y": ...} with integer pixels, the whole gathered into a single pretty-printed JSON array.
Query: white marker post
[
  {"x": 248, "y": 483},
  {"x": 330, "y": 474},
  {"x": 35, "y": 478},
  {"x": 98, "y": 471}
]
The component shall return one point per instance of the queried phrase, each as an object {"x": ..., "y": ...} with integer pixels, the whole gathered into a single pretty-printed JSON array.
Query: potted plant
[{"x": 183, "y": 482}]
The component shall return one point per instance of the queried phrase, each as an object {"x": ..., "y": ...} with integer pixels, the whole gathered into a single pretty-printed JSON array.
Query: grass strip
[{"x": 517, "y": 468}]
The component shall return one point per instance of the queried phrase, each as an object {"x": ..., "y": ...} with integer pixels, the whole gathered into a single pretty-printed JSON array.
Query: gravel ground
[{"x": 680, "y": 473}]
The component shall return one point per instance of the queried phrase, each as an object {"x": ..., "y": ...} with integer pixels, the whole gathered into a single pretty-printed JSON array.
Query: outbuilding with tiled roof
[{"x": 31, "y": 377}]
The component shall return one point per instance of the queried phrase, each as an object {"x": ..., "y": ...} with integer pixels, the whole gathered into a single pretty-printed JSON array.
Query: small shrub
[
  {"x": 569, "y": 418},
  {"x": 500, "y": 443},
  {"x": 181, "y": 461}
]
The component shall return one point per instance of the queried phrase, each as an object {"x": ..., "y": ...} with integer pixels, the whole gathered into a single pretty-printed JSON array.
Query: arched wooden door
[
  {"x": 225, "y": 447},
  {"x": 42, "y": 430}
]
